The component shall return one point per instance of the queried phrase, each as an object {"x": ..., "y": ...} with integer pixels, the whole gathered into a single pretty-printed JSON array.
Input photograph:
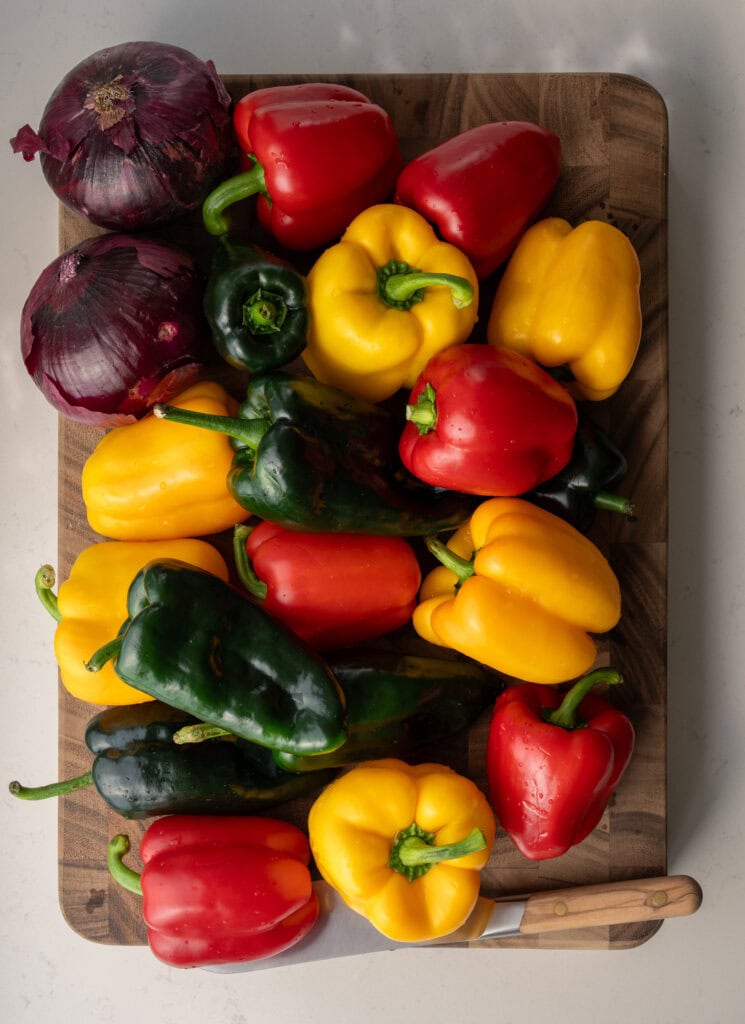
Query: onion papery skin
[
  {"x": 114, "y": 325},
  {"x": 134, "y": 136}
]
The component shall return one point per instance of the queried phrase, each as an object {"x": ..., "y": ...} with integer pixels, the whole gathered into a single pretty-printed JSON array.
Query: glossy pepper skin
[
  {"x": 553, "y": 760},
  {"x": 586, "y": 484},
  {"x": 519, "y": 590},
  {"x": 483, "y": 188},
  {"x": 256, "y": 307},
  {"x": 316, "y": 154},
  {"x": 141, "y": 772},
  {"x": 570, "y": 297},
  {"x": 384, "y": 300},
  {"x": 331, "y": 589},
  {"x": 92, "y": 603},
  {"x": 487, "y": 421},
  {"x": 155, "y": 481},
  {"x": 311, "y": 457},
  {"x": 200, "y": 645},
  {"x": 220, "y": 890},
  {"x": 403, "y": 845},
  {"x": 397, "y": 703}
]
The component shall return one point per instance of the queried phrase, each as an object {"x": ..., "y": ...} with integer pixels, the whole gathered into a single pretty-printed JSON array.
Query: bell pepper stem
[
  {"x": 401, "y": 286},
  {"x": 53, "y": 789},
  {"x": 104, "y": 655},
  {"x": 264, "y": 312},
  {"x": 608, "y": 502},
  {"x": 117, "y": 849},
  {"x": 423, "y": 412},
  {"x": 249, "y": 432},
  {"x": 231, "y": 191},
  {"x": 199, "y": 732},
  {"x": 44, "y": 581},
  {"x": 253, "y": 584},
  {"x": 414, "y": 851},
  {"x": 462, "y": 567},
  {"x": 565, "y": 715}
]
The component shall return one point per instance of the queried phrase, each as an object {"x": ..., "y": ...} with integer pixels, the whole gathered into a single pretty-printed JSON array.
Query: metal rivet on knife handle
[{"x": 645, "y": 899}]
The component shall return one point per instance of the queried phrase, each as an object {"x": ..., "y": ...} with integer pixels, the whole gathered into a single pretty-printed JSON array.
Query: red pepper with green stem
[
  {"x": 220, "y": 890},
  {"x": 331, "y": 589},
  {"x": 316, "y": 154},
  {"x": 482, "y": 422},
  {"x": 553, "y": 760}
]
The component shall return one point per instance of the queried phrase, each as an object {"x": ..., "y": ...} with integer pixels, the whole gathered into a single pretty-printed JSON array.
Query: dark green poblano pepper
[
  {"x": 198, "y": 644},
  {"x": 310, "y": 457}
]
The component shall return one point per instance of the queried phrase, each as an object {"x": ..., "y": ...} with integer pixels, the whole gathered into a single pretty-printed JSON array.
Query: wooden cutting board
[{"x": 613, "y": 130}]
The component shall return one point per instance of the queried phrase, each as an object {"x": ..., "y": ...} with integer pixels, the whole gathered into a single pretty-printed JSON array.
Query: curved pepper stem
[
  {"x": 233, "y": 190},
  {"x": 53, "y": 789},
  {"x": 104, "y": 655},
  {"x": 401, "y": 286},
  {"x": 253, "y": 584},
  {"x": 117, "y": 849},
  {"x": 44, "y": 581},
  {"x": 249, "y": 432},
  {"x": 462, "y": 567},
  {"x": 565, "y": 715},
  {"x": 414, "y": 852}
]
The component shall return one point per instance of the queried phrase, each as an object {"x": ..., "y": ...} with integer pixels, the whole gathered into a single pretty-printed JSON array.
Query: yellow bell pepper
[
  {"x": 91, "y": 606},
  {"x": 570, "y": 297},
  {"x": 156, "y": 480},
  {"x": 519, "y": 590},
  {"x": 384, "y": 300},
  {"x": 403, "y": 845}
]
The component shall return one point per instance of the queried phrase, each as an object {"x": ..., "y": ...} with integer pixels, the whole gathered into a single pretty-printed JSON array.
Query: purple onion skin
[
  {"x": 134, "y": 136},
  {"x": 114, "y": 325}
]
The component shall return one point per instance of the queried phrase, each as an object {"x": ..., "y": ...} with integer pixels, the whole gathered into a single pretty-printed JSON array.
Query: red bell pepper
[
  {"x": 482, "y": 422},
  {"x": 331, "y": 589},
  {"x": 316, "y": 153},
  {"x": 553, "y": 759},
  {"x": 220, "y": 890},
  {"x": 483, "y": 188}
]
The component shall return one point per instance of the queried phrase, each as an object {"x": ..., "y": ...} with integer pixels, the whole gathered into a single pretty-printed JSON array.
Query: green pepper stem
[
  {"x": 253, "y": 584},
  {"x": 199, "y": 732},
  {"x": 613, "y": 503},
  {"x": 233, "y": 190},
  {"x": 423, "y": 412},
  {"x": 565, "y": 715},
  {"x": 414, "y": 851},
  {"x": 44, "y": 581},
  {"x": 462, "y": 567},
  {"x": 104, "y": 655},
  {"x": 264, "y": 313},
  {"x": 53, "y": 789},
  {"x": 249, "y": 432},
  {"x": 119, "y": 847},
  {"x": 401, "y": 286}
]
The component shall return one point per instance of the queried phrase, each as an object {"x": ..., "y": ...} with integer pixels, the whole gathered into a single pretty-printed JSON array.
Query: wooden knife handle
[{"x": 643, "y": 899}]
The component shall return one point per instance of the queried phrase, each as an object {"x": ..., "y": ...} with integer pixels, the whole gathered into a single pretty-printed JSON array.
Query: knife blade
[{"x": 341, "y": 931}]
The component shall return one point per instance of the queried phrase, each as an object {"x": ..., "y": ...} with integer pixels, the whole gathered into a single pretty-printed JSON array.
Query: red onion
[
  {"x": 113, "y": 326},
  {"x": 135, "y": 135}
]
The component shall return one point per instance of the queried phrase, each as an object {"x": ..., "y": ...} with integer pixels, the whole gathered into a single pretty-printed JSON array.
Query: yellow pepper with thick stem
[
  {"x": 91, "y": 606},
  {"x": 403, "y": 845},
  {"x": 384, "y": 300},
  {"x": 156, "y": 480},
  {"x": 519, "y": 590},
  {"x": 570, "y": 297}
]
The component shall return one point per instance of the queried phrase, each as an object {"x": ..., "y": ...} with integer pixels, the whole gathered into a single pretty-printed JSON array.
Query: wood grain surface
[{"x": 613, "y": 130}]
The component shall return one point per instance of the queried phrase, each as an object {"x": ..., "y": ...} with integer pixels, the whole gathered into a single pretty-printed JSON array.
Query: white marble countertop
[{"x": 691, "y": 51}]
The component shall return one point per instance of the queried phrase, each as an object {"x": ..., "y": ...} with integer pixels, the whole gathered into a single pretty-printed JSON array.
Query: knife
[{"x": 341, "y": 931}]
